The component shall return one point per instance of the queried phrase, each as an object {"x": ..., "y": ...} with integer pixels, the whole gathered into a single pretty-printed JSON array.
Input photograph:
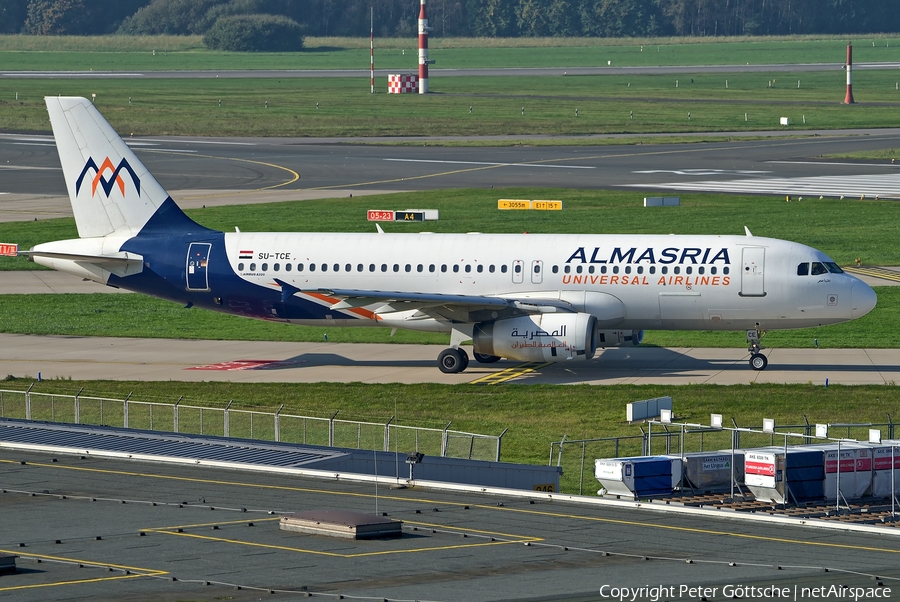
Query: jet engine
[{"x": 550, "y": 337}]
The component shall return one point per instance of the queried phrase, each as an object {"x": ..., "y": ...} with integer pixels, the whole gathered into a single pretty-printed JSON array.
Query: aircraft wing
[{"x": 451, "y": 307}]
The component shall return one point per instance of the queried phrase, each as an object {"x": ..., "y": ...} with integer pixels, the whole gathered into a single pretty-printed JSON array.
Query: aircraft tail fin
[{"x": 110, "y": 189}]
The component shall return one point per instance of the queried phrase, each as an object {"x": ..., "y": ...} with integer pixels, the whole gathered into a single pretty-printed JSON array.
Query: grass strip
[
  {"x": 844, "y": 229},
  {"x": 536, "y": 415},
  {"x": 643, "y": 104}
]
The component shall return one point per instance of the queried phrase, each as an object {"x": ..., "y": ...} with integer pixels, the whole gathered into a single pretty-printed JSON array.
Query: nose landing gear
[{"x": 757, "y": 360}]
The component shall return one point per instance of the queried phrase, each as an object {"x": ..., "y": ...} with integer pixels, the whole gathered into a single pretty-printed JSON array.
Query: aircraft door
[
  {"x": 196, "y": 270},
  {"x": 537, "y": 271},
  {"x": 518, "y": 271},
  {"x": 752, "y": 272}
]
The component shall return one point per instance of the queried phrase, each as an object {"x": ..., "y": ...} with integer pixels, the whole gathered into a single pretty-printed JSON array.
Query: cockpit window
[
  {"x": 818, "y": 268},
  {"x": 803, "y": 269},
  {"x": 833, "y": 267}
]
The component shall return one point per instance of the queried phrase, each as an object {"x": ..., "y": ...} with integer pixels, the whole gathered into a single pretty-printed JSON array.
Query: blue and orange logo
[{"x": 107, "y": 183}]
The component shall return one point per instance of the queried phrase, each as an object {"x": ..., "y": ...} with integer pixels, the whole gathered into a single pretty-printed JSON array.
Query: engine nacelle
[
  {"x": 619, "y": 338},
  {"x": 548, "y": 337}
]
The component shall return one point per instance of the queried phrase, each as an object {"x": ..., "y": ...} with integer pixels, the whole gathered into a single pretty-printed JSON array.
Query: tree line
[{"x": 489, "y": 18}]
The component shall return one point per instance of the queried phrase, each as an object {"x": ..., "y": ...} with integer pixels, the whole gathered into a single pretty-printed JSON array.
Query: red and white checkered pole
[
  {"x": 372, "y": 50},
  {"x": 423, "y": 48},
  {"x": 848, "y": 99}
]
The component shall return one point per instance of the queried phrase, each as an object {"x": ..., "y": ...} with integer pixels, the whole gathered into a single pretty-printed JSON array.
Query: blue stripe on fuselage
[{"x": 164, "y": 241}]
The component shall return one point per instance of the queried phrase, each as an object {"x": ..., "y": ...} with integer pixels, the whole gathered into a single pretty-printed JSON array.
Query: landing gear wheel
[
  {"x": 453, "y": 361},
  {"x": 758, "y": 361},
  {"x": 483, "y": 358}
]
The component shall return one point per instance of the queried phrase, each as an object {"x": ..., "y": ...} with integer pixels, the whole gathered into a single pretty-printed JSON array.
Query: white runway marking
[
  {"x": 491, "y": 164},
  {"x": 28, "y": 167},
  {"x": 882, "y": 186}
]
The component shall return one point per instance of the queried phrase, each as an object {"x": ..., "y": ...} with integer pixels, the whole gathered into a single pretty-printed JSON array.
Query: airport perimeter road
[
  {"x": 437, "y": 73},
  {"x": 100, "y": 358},
  {"x": 94, "y": 529}
]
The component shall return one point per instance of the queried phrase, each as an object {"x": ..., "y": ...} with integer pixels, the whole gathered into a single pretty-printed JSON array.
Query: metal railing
[
  {"x": 248, "y": 424},
  {"x": 573, "y": 455}
]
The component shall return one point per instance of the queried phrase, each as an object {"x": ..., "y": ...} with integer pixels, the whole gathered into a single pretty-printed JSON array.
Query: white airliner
[{"x": 527, "y": 297}]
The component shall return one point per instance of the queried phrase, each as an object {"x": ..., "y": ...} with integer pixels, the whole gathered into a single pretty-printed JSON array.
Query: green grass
[
  {"x": 878, "y": 155},
  {"x": 140, "y": 316},
  {"x": 536, "y": 415},
  {"x": 844, "y": 229},
  {"x": 102, "y": 53},
  {"x": 605, "y": 104}
]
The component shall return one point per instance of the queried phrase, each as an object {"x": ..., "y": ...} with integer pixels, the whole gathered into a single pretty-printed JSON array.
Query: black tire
[
  {"x": 483, "y": 358},
  {"x": 758, "y": 361},
  {"x": 452, "y": 361}
]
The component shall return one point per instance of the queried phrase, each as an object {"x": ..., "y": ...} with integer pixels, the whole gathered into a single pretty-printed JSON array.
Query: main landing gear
[
  {"x": 757, "y": 360},
  {"x": 453, "y": 361}
]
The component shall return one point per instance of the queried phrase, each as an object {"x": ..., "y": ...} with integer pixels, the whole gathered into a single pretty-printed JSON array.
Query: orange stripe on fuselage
[{"x": 365, "y": 313}]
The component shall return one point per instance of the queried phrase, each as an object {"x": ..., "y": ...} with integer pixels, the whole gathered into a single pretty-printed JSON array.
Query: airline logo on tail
[{"x": 107, "y": 183}]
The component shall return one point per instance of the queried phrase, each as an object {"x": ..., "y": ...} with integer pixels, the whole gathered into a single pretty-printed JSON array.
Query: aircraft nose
[{"x": 862, "y": 299}]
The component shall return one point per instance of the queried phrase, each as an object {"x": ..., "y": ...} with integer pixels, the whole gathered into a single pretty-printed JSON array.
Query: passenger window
[
  {"x": 688, "y": 270},
  {"x": 578, "y": 269},
  {"x": 240, "y": 267},
  {"x": 287, "y": 267},
  {"x": 803, "y": 269},
  {"x": 713, "y": 270},
  {"x": 431, "y": 267},
  {"x": 407, "y": 268},
  {"x": 371, "y": 267},
  {"x": 384, "y": 267},
  {"x": 420, "y": 268},
  {"x": 299, "y": 267},
  {"x": 348, "y": 268},
  {"x": 602, "y": 269},
  {"x": 641, "y": 269},
  {"x": 396, "y": 267},
  {"x": 518, "y": 269},
  {"x": 665, "y": 269},
  {"x": 615, "y": 269},
  {"x": 590, "y": 269},
  {"x": 725, "y": 270},
  {"x": 555, "y": 269},
  {"x": 503, "y": 269},
  {"x": 627, "y": 269},
  {"x": 567, "y": 269},
  {"x": 701, "y": 270},
  {"x": 276, "y": 267},
  {"x": 491, "y": 268},
  {"x": 652, "y": 269},
  {"x": 456, "y": 268},
  {"x": 324, "y": 267},
  {"x": 818, "y": 268},
  {"x": 537, "y": 269},
  {"x": 252, "y": 267},
  {"x": 480, "y": 268},
  {"x": 265, "y": 267},
  {"x": 468, "y": 268},
  {"x": 676, "y": 270},
  {"x": 443, "y": 267}
]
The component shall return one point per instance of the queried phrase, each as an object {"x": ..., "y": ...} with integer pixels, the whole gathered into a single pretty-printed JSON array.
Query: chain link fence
[{"x": 248, "y": 424}]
